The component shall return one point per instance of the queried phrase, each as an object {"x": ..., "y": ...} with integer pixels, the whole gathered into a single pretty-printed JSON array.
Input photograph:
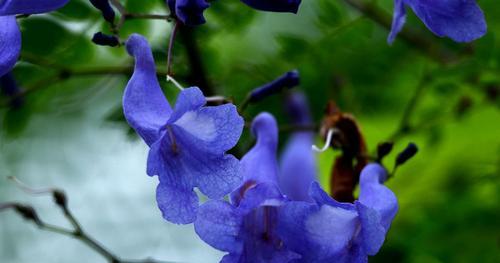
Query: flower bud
[
  {"x": 107, "y": 11},
  {"x": 105, "y": 40},
  {"x": 406, "y": 154},
  {"x": 288, "y": 80}
]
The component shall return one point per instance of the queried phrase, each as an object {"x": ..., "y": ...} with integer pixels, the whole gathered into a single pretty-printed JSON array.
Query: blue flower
[
  {"x": 460, "y": 20},
  {"x": 246, "y": 227},
  {"x": 10, "y": 36},
  {"x": 291, "y": 6},
  {"x": 298, "y": 163},
  {"x": 189, "y": 12},
  {"x": 330, "y": 231},
  {"x": 187, "y": 143}
]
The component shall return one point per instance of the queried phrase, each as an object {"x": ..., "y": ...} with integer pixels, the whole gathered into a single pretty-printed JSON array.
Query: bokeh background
[{"x": 69, "y": 131}]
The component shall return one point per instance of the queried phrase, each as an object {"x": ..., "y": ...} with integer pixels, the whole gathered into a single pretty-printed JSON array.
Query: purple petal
[
  {"x": 316, "y": 232},
  {"x": 322, "y": 198},
  {"x": 10, "y": 43},
  {"x": 372, "y": 233},
  {"x": 298, "y": 162},
  {"x": 219, "y": 225},
  {"x": 145, "y": 107},
  {"x": 190, "y": 99},
  {"x": 398, "y": 20},
  {"x": 208, "y": 129},
  {"x": 176, "y": 200},
  {"x": 460, "y": 20},
  {"x": 215, "y": 175},
  {"x": 291, "y": 6},
  {"x": 260, "y": 163},
  {"x": 262, "y": 194},
  {"x": 298, "y": 167},
  {"x": 14, "y": 7},
  {"x": 375, "y": 195}
]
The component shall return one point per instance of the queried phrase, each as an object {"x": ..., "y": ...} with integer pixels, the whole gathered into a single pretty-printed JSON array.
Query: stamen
[
  {"x": 325, "y": 147},
  {"x": 179, "y": 86}
]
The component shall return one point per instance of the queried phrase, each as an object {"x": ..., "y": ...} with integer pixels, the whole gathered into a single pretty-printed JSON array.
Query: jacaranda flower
[
  {"x": 10, "y": 36},
  {"x": 187, "y": 143},
  {"x": 460, "y": 20},
  {"x": 330, "y": 231},
  {"x": 298, "y": 163},
  {"x": 246, "y": 227}
]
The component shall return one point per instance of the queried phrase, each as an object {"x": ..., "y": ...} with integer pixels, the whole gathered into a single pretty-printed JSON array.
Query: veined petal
[
  {"x": 262, "y": 194},
  {"x": 208, "y": 129},
  {"x": 176, "y": 200},
  {"x": 398, "y": 20},
  {"x": 377, "y": 196},
  {"x": 219, "y": 225},
  {"x": 145, "y": 107},
  {"x": 372, "y": 233},
  {"x": 190, "y": 99},
  {"x": 460, "y": 20},
  {"x": 317, "y": 232},
  {"x": 291, "y": 6},
  {"x": 10, "y": 43},
  {"x": 322, "y": 198},
  {"x": 14, "y": 7},
  {"x": 214, "y": 175}
]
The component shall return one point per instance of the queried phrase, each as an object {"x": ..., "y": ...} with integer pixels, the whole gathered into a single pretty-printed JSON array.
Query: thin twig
[
  {"x": 60, "y": 199},
  {"x": 405, "y": 123}
]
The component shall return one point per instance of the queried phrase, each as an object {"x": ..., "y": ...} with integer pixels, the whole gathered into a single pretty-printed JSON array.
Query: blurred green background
[{"x": 70, "y": 131}]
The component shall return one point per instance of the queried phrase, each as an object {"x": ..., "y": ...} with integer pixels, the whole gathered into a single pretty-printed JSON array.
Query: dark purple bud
[
  {"x": 406, "y": 154},
  {"x": 105, "y": 40},
  {"x": 107, "y": 11},
  {"x": 28, "y": 213},
  {"x": 383, "y": 149},
  {"x": 291, "y": 6},
  {"x": 60, "y": 198},
  {"x": 189, "y": 12},
  {"x": 10, "y": 88},
  {"x": 288, "y": 80}
]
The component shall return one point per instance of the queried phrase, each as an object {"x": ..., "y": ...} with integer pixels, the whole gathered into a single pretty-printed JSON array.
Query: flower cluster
[
  {"x": 10, "y": 36},
  {"x": 270, "y": 219},
  {"x": 271, "y": 216}
]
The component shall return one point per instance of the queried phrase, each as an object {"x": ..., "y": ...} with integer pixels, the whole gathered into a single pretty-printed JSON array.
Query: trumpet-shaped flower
[
  {"x": 298, "y": 163},
  {"x": 460, "y": 20},
  {"x": 187, "y": 143},
  {"x": 330, "y": 231},
  {"x": 10, "y": 36},
  {"x": 246, "y": 227}
]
